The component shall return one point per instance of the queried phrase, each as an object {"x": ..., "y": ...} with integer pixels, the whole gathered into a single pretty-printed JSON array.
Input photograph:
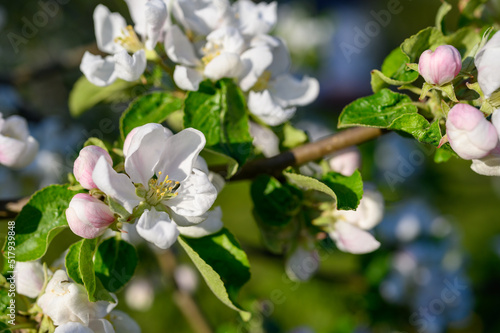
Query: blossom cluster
[
  {"x": 471, "y": 135},
  {"x": 166, "y": 190},
  {"x": 205, "y": 40}
]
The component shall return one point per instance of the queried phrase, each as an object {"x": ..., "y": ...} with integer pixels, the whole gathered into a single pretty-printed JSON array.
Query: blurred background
[{"x": 439, "y": 264}]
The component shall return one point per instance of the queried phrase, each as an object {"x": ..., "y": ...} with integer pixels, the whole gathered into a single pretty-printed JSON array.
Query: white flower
[
  {"x": 162, "y": 178},
  {"x": 219, "y": 58},
  {"x": 274, "y": 94},
  {"x": 203, "y": 16},
  {"x": 488, "y": 64},
  {"x": 488, "y": 165},
  {"x": 265, "y": 140},
  {"x": 17, "y": 147},
  {"x": 255, "y": 19},
  {"x": 302, "y": 264},
  {"x": 350, "y": 230},
  {"x": 211, "y": 225},
  {"x": 64, "y": 302},
  {"x": 345, "y": 161},
  {"x": 29, "y": 278},
  {"x": 116, "y": 321}
]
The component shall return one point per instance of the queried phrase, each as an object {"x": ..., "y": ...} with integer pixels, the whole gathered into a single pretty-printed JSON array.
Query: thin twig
[{"x": 308, "y": 152}]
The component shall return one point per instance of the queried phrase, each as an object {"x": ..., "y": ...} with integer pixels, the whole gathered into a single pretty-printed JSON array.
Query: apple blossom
[
  {"x": 162, "y": 179},
  {"x": 488, "y": 64},
  {"x": 85, "y": 163},
  {"x": 29, "y": 277},
  {"x": 265, "y": 140},
  {"x": 255, "y": 19},
  {"x": 470, "y": 135},
  {"x": 87, "y": 216},
  {"x": 203, "y": 16},
  {"x": 116, "y": 321},
  {"x": 65, "y": 302},
  {"x": 17, "y": 147},
  {"x": 345, "y": 161},
  {"x": 441, "y": 66},
  {"x": 350, "y": 228}
]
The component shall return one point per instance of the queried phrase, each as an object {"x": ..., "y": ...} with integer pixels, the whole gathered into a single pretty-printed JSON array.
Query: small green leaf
[
  {"x": 349, "y": 190},
  {"x": 309, "y": 183},
  {"x": 115, "y": 263},
  {"x": 85, "y": 95},
  {"x": 219, "y": 111},
  {"x": 151, "y": 108},
  {"x": 378, "y": 110},
  {"x": 95, "y": 142},
  {"x": 441, "y": 14},
  {"x": 222, "y": 263},
  {"x": 394, "y": 72},
  {"x": 275, "y": 203},
  {"x": 72, "y": 262},
  {"x": 290, "y": 136},
  {"x": 40, "y": 220}
]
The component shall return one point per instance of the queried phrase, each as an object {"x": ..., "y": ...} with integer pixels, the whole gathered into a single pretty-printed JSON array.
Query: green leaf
[
  {"x": 219, "y": 111},
  {"x": 222, "y": 263},
  {"x": 275, "y": 203},
  {"x": 95, "y": 142},
  {"x": 4, "y": 302},
  {"x": 115, "y": 263},
  {"x": 378, "y": 110},
  {"x": 291, "y": 137},
  {"x": 85, "y": 95},
  {"x": 80, "y": 267},
  {"x": 349, "y": 190},
  {"x": 151, "y": 108},
  {"x": 441, "y": 14},
  {"x": 309, "y": 183},
  {"x": 428, "y": 38},
  {"x": 40, "y": 220},
  {"x": 393, "y": 72},
  {"x": 4, "y": 328},
  {"x": 215, "y": 158}
]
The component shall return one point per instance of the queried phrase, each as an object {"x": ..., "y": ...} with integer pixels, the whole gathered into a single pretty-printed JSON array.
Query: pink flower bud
[
  {"x": 470, "y": 135},
  {"x": 85, "y": 163},
  {"x": 87, "y": 216},
  {"x": 441, "y": 66}
]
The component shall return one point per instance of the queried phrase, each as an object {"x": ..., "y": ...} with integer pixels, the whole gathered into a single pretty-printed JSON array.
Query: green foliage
[
  {"x": 349, "y": 190},
  {"x": 4, "y": 328},
  {"x": 393, "y": 72},
  {"x": 85, "y": 95},
  {"x": 219, "y": 111},
  {"x": 80, "y": 267},
  {"x": 291, "y": 137},
  {"x": 151, "y": 108},
  {"x": 115, "y": 263},
  {"x": 441, "y": 14},
  {"x": 222, "y": 263},
  {"x": 309, "y": 183},
  {"x": 4, "y": 303},
  {"x": 428, "y": 38},
  {"x": 274, "y": 203},
  {"x": 40, "y": 220},
  {"x": 95, "y": 142}
]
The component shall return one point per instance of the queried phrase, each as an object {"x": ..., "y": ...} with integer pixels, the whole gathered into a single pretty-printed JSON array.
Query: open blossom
[
  {"x": 87, "y": 216},
  {"x": 115, "y": 37},
  {"x": 470, "y": 135},
  {"x": 441, "y": 66},
  {"x": 161, "y": 176},
  {"x": 64, "y": 302},
  {"x": 17, "y": 147},
  {"x": 29, "y": 278},
  {"x": 85, "y": 163},
  {"x": 489, "y": 165},
  {"x": 350, "y": 229},
  {"x": 487, "y": 62}
]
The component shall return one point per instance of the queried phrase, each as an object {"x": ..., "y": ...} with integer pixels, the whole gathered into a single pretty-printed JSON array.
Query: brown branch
[{"x": 308, "y": 152}]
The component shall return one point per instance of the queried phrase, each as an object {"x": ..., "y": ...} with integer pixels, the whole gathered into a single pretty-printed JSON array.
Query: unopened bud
[
  {"x": 85, "y": 163},
  {"x": 87, "y": 216},
  {"x": 441, "y": 66}
]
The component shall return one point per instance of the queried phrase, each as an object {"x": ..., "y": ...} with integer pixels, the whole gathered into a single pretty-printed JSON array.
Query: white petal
[
  {"x": 28, "y": 154},
  {"x": 137, "y": 9},
  {"x": 123, "y": 323},
  {"x": 157, "y": 228},
  {"x": 156, "y": 15},
  {"x": 369, "y": 212},
  {"x": 203, "y": 16},
  {"x": 180, "y": 154},
  {"x": 211, "y": 225},
  {"x": 226, "y": 39},
  {"x": 29, "y": 278},
  {"x": 289, "y": 91},
  {"x": 144, "y": 151},
  {"x": 101, "y": 326},
  {"x": 225, "y": 65},
  {"x": 108, "y": 26},
  {"x": 488, "y": 66},
  {"x": 267, "y": 109},
  {"x": 15, "y": 127},
  {"x": 265, "y": 140},
  {"x": 256, "y": 19},
  {"x": 99, "y": 71},
  {"x": 352, "y": 239},
  {"x": 117, "y": 186},
  {"x": 187, "y": 78},
  {"x": 195, "y": 197},
  {"x": 345, "y": 161},
  {"x": 281, "y": 56},
  {"x": 73, "y": 327},
  {"x": 489, "y": 165},
  {"x": 130, "y": 68},
  {"x": 179, "y": 48},
  {"x": 255, "y": 61}
]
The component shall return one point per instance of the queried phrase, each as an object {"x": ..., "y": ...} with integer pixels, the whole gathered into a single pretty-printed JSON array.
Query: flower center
[
  {"x": 129, "y": 40},
  {"x": 211, "y": 51},
  {"x": 159, "y": 191},
  {"x": 262, "y": 82}
]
